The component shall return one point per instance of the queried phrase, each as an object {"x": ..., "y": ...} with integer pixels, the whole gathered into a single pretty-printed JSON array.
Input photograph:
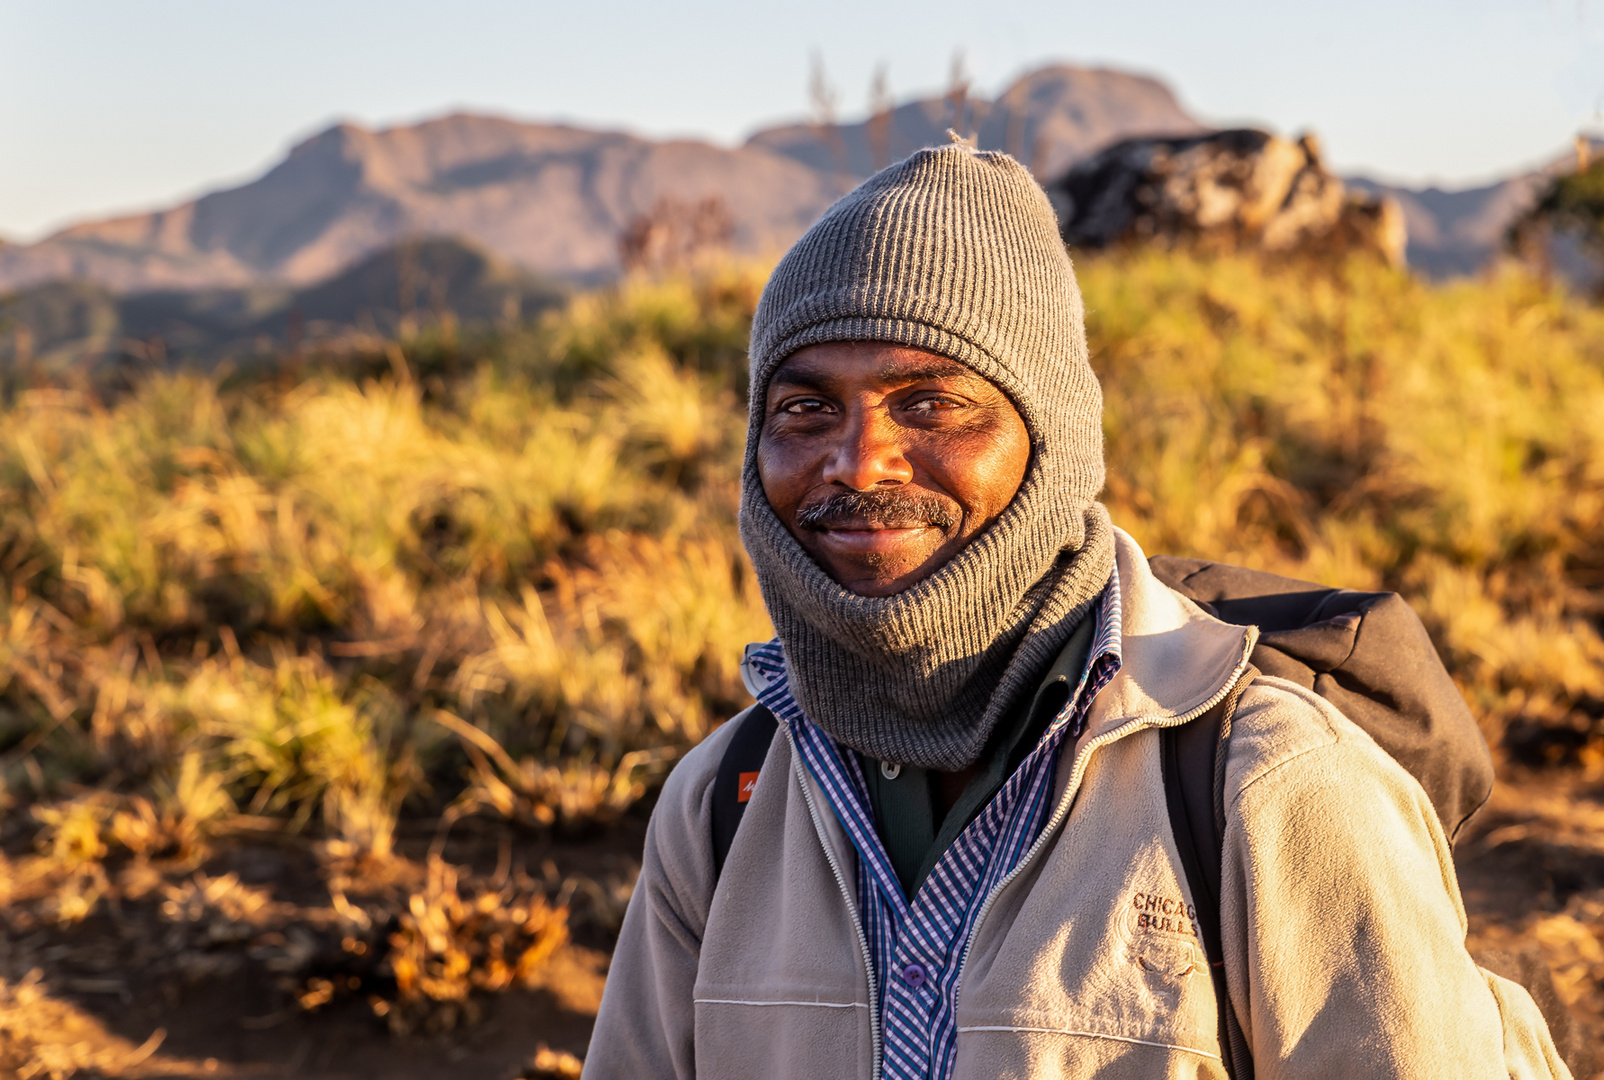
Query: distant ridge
[
  {"x": 1048, "y": 119},
  {"x": 1454, "y": 232},
  {"x": 553, "y": 198},
  {"x": 549, "y": 198}
]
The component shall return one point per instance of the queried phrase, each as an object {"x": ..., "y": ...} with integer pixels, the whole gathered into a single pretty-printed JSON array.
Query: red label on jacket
[{"x": 743, "y": 792}]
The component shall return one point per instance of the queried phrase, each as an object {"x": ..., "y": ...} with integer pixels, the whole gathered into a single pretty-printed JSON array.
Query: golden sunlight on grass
[{"x": 366, "y": 602}]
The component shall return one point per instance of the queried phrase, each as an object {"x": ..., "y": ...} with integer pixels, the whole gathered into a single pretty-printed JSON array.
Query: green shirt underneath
[{"x": 905, "y": 804}]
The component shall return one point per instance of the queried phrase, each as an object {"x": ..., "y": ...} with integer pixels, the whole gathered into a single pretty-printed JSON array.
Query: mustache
[{"x": 889, "y": 508}]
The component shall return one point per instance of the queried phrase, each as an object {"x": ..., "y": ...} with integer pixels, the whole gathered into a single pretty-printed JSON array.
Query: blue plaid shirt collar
[{"x": 918, "y": 946}]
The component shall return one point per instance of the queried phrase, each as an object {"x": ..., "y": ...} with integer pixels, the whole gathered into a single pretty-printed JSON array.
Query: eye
[
  {"x": 802, "y": 405},
  {"x": 934, "y": 404}
]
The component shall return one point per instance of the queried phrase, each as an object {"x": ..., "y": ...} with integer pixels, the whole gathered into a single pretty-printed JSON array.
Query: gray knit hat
[{"x": 956, "y": 251}]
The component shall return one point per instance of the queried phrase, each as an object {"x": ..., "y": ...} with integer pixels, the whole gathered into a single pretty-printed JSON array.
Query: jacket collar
[{"x": 1177, "y": 659}]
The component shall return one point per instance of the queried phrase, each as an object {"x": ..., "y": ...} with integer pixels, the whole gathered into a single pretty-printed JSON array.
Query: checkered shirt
[{"x": 918, "y": 947}]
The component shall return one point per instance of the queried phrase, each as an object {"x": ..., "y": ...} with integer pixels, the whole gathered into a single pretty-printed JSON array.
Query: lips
[
  {"x": 872, "y": 539},
  {"x": 874, "y": 526}
]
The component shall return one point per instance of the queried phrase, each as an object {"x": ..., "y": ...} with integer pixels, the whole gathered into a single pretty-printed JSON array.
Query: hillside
[
  {"x": 550, "y": 198},
  {"x": 76, "y": 324},
  {"x": 331, "y": 705}
]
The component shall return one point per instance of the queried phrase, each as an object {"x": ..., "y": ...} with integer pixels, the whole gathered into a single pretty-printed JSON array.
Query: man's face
[{"x": 884, "y": 461}]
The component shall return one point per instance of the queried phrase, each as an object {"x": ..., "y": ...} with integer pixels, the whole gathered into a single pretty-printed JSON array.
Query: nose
[{"x": 869, "y": 453}]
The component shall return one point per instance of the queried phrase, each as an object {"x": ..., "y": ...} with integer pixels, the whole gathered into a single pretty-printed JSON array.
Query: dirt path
[
  {"x": 230, "y": 1029},
  {"x": 1531, "y": 868}
]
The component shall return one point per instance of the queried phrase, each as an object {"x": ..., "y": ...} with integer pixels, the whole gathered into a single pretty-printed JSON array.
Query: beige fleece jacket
[{"x": 1342, "y": 922}]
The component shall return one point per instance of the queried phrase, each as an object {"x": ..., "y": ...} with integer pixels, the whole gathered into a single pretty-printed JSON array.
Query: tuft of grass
[{"x": 449, "y": 946}]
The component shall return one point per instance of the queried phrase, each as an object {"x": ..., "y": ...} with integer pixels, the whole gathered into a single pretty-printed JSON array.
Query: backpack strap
[
  {"x": 1193, "y": 763},
  {"x": 737, "y": 772}
]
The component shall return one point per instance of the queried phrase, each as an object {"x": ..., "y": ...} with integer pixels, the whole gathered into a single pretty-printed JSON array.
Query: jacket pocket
[
  {"x": 741, "y": 1035},
  {"x": 1069, "y": 1050}
]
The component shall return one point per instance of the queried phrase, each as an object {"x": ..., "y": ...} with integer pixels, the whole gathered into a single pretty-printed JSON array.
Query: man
[{"x": 956, "y": 859}]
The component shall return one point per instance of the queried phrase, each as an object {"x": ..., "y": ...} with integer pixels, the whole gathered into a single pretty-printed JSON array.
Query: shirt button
[{"x": 914, "y": 975}]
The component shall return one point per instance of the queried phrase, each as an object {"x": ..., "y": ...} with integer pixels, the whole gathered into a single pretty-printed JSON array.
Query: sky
[{"x": 118, "y": 105}]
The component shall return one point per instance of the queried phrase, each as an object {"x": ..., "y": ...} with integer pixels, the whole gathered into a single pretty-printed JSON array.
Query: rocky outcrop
[{"x": 1232, "y": 189}]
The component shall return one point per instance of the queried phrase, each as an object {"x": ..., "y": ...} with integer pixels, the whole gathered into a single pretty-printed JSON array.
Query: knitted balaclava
[{"x": 955, "y": 251}]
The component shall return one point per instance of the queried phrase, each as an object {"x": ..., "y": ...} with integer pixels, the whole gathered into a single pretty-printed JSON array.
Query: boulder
[{"x": 1232, "y": 189}]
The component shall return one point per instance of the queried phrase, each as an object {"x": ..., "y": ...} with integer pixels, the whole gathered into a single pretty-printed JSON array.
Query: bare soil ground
[
  {"x": 1531, "y": 868},
  {"x": 122, "y": 995},
  {"x": 175, "y": 980}
]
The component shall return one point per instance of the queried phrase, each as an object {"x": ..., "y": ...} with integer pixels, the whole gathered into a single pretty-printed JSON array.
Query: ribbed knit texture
[{"x": 955, "y": 251}]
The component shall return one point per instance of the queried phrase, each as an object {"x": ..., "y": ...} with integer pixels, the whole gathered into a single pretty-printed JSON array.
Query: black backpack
[{"x": 1366, "y": 653}]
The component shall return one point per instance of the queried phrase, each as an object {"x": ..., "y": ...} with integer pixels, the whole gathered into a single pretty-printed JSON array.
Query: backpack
[
  {"x": 1369, "y": 655},
  {"x": 1366, "y": 653}
]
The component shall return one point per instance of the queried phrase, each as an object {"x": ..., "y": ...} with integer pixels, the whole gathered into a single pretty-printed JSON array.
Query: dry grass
[
  {"x": 549, "y": 1064},
  {"x": 503, "y": 579},
  {"x": 418, "y": 586},
  {"x": 252, "y": 605},
  {"x": 43, "y": 1039},
  {"x": 1361, "y": 428},
  {"x": 448, "y": 946}
]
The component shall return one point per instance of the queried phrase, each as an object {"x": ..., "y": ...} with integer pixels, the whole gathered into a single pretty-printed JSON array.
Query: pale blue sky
[{"x": 111, "y": 105}]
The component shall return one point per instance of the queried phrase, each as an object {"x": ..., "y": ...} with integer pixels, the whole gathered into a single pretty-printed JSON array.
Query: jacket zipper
[
  {"x": 1061, "y": 811},
  {"x": 852, "y": 906}
]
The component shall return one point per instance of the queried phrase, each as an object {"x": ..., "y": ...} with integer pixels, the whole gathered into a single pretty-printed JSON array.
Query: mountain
[
  {"x": 567, "y": 202},
  {"x": 1048, "y": 119},
  {"x": 1454, "y": 232},
  {"x": 75, "y": 322},
  {"x": 550, "y": 198},
  {"x": 555, "y": 199}
]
